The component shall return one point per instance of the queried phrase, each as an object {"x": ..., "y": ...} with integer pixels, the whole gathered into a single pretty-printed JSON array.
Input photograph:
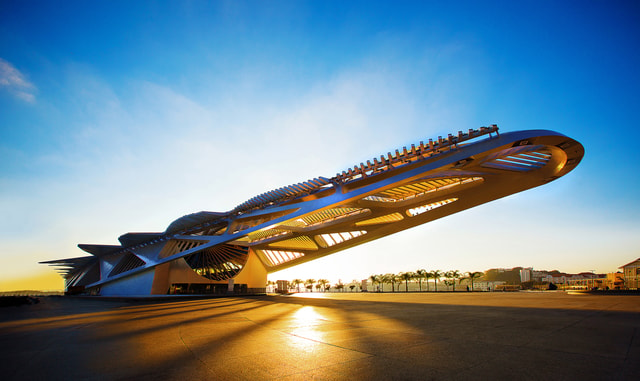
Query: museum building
[{"x": 232, "y": 252}]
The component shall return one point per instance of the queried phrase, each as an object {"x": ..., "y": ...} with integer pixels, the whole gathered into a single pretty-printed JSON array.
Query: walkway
[{"x": 354, "y": 336}]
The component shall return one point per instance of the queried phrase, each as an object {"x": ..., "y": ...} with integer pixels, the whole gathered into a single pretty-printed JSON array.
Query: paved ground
[{"x": 550, "y": 336}]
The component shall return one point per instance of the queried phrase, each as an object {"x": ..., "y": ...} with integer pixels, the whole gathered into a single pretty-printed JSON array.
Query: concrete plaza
[{"x": 551, "y": 335}]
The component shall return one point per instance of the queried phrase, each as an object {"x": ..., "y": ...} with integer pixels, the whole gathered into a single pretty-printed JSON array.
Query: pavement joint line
[
  {"x": 315, "y": 341},
  {"x": 626, "y": 356},
  {"x": 602, "y": 356},
  {"x": 572, "y": 324},
  {"x": 326, "y": 366},
  {"x": 209, "y": 370},
  {"x": 302, "y": 337}
]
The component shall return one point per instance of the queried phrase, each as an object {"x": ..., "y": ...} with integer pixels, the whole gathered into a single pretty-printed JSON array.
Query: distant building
[
  {"x": 526, "y": 274},
  {"x": 586, "y": 281},
  {"x": 631, "y": 273},
  {"x": 615, "y": 280},
  {"x": 488, "y": 285},
  {"x": 282, "y": 286},
  {"x": 538, "y": 275}
]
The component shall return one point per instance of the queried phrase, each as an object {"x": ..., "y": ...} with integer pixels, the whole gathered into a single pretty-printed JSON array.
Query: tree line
[
  {"x": 450, "y": 278},
  {"x": 378, "y": 281}
]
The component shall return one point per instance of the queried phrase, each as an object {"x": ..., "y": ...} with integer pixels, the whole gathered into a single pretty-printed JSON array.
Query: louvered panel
[
  {"x": 277, "y": 257},
  {"x": 393, "y": 193},
  {"x": 219, "y": 262},
  {"x": 176, "y": 246},
  {"x": 519, "y": 159},
  {"x": 541, "y": 155},
  {"x": 428, "y": 207},
  {"x": 128, "y": 262},
  {"x": 412, "y": 190},
  {"x": 422, "y": 187},
  {"x": 299, "y": 243},
  {"x": 330, "y": 214},
  {"x": 264, "y": 234},
  {"x": 332, "y": 239},
  {"x": 523, "y": 160},
  {"x": 90, "y": 275},
  {"x": 393, "y": 217}
]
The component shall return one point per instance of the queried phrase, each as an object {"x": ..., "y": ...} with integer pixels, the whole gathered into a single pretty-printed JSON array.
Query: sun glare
[{"x": 307, "y": 314}]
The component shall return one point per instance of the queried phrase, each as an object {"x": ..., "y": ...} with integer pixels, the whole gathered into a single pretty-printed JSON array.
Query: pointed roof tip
[
  {"x": 132, "y": 239},
  {"x": 67, "y": 261},
  {"x": 99, "y": 250}
]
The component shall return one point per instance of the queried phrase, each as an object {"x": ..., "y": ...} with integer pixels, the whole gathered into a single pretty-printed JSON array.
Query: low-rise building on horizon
[{"x": 631, "y": 273}]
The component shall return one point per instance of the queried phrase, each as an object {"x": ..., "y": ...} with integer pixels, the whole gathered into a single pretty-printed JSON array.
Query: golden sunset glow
[{"x": 42, "y": 281}]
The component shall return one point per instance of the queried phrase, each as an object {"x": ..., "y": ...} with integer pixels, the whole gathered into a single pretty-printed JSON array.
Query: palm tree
[
  {"x": 420, "y": 274},
  {"x": 297, "y": 282},
  {"x": 381, "y": 280},
  {"x": 453, "y": 274},
  {"x": 471, "y": 276},
  {"x": 270, "y": 283},
  {"x": 323, "y": 283},
  {"x": 309, "y": 284},
  {"x": 396, "y": 279},
  {"x": 427, "y": 276},
  {"x": 374, "y": 279},
  {"x": 384, "y": 278},
  {"x": 391, "y": 278},
  {"x": 406, "y": 277},
  {"x": 436, "y": 275},
  {"x": 446, "y": 281}
]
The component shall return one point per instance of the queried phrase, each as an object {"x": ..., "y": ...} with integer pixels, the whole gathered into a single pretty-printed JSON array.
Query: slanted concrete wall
[
  {"x": 254, "y": 274},
  {"x": 134, "y": 285},
  {"x": 161, "y": 280}
]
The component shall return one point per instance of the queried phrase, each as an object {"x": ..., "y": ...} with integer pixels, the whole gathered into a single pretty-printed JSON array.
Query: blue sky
[{"x": 122, "y": 116}]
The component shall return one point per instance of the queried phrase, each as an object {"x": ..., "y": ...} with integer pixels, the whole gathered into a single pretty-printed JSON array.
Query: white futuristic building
[{"x": 232, "y": 252}]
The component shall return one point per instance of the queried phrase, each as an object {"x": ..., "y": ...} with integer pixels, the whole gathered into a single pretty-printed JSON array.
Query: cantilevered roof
[{"x": 387, "y": 194}]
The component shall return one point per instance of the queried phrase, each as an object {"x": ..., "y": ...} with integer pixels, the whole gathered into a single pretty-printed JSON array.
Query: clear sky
[{"x": 122, "y": 116}]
